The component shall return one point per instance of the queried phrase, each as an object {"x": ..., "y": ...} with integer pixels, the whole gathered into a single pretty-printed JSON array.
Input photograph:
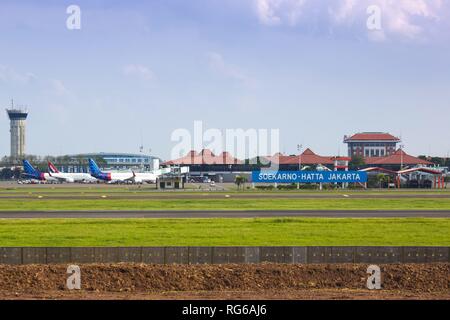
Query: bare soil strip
[{"x": 258, "y": 281}]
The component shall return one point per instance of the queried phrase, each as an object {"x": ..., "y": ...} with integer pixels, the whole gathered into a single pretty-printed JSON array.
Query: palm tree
[{"x": 240, "y": 180}]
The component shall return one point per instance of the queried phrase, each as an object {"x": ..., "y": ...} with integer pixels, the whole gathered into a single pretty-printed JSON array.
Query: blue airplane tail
[
  {"x": 29, "y": 169},
  {"x": 93, "y": 167}
]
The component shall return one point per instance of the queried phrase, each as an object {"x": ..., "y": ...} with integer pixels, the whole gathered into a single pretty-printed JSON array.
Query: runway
[{"x": 227, "y": 214}]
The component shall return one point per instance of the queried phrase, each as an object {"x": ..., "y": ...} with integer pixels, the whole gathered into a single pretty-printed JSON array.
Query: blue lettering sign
[{"x": 308, "y": 176}]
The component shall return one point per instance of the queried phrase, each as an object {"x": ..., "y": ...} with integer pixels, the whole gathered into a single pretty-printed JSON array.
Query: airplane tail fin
[
  {"x": 93, "y": 167},
  {"x": 52, "y": 168},
  {"x": 29, "y": 169}
]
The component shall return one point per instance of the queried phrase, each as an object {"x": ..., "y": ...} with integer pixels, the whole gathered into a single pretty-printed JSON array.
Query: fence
[{"x": 221, "y": 255}]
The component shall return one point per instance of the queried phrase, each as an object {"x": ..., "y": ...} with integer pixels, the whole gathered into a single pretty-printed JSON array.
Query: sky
[{"x": 136, "y": 71}]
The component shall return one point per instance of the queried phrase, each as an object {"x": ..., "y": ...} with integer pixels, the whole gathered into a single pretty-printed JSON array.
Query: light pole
[
  {"x": 401, "y": 156},
  {"x": 401, "y": 165},
  {"x": 299, "y": 149},
  {"x": 446, "y": 175}
]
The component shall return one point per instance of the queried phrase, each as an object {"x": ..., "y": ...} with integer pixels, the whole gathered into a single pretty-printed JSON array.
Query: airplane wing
[
  {"x": 62, "y": 179},
  {"x": 132, "y": 178}
]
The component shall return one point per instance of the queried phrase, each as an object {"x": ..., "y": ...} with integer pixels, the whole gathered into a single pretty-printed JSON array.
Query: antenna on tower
[{"x": 141, "y": 147}]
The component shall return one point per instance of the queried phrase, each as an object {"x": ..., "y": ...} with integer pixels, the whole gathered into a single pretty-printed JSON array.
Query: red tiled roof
[
  {"x": 307, "y": 157},
  {"x": 397, "y": 157},
  {"x": 273, "y": 158},
  {"x": 204, "y": 157},
  {"x": 371, "y": 136}
]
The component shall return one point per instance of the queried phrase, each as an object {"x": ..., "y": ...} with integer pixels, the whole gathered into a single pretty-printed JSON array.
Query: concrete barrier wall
[{"x": 221, "y": 255}]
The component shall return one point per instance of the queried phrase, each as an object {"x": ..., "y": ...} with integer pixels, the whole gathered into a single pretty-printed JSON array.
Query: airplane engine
[{"x": 70, "y": 180}]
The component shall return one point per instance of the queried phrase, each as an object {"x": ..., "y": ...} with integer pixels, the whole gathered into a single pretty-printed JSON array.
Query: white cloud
[
  {"x": 376, "y": 36},
  {"x": 59, "y": 88},
  {"x": 139, "y": 71},
  {"x": 266, "y": 12},
  {"x": 10, "y": 75},
  {"x": 408, "y": 19},
  {"x": 276, "y": 12},
  {"x": 218, "y": 64},
  {"x": 14, "y": 78},
  {"x": 342, "y": 13},
  {"x": 404, "y": 18}
]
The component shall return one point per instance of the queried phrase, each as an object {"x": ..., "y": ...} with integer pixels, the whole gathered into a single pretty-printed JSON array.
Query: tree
[
  {"x": 380, "y": 178},
  {"x": 6, "y": 174},
  {"x": 17, "y": 173},
  {"x": 100, "y": 161},
  {"x": 240, "y": 181},
  {"x": 356, "y": 163}
]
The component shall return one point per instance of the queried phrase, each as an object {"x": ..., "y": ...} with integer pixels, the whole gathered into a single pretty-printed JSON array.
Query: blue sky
[{"x": 137, "y": 70}]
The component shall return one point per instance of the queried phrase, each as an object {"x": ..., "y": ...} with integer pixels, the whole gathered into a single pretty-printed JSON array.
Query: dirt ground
[{"x": 252, "y": 281}]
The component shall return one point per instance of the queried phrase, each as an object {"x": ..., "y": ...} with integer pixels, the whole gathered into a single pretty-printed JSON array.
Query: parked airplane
[
  {"x": 35, "y": 174},
  {"x": 130, "y": 177},
  {"x": 69, "y": 177}
]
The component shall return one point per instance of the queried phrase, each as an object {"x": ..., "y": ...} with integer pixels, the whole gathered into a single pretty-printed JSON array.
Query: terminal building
[
  {"x": 309, "y": 160},
  {"x": 108, "y": 161},
  {"x": 399, "y": 167},
  {"x": 205, "y": 165},
  {"x": 371, "y": 144},
  {"x": 397, "y": 161}
]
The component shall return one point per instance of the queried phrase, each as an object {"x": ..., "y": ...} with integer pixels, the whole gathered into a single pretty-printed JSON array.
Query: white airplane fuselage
[
  {"x": 127, "y": 177},
  {"x": 73, "y": 177}
]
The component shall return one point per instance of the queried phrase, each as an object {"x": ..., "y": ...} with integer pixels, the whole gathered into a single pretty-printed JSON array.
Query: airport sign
[{"x": 308, "y": 176}]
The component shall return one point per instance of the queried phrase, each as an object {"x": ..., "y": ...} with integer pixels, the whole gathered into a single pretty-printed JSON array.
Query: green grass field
[
  {"x": 226, "y": 204},
  {"x": 218, "y": 232},
  {"x": 224, "y": 232}
]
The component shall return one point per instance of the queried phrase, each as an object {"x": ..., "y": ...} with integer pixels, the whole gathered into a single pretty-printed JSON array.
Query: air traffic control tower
[{"x": 18, "y": 119}]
